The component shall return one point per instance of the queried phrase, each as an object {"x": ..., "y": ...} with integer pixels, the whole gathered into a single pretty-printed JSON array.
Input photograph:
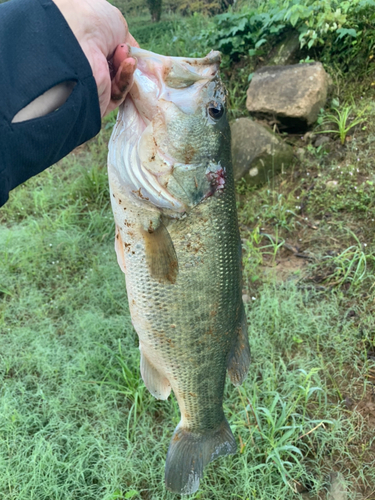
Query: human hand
[{"x": 102, "y": 33}]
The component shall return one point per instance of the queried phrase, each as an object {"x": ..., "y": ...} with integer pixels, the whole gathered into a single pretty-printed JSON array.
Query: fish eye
[{"x": 215, "y": 110}]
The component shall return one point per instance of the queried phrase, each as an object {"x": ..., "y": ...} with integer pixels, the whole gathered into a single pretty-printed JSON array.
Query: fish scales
[
  {"x": 201, "y": 308},
  {"x": 182, "y": 266}
]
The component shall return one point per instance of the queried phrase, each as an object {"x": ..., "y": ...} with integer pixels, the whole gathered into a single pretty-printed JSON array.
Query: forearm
[{"x": 37, "y": 52}]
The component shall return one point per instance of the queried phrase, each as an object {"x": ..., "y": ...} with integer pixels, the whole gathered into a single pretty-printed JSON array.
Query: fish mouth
[
  {"x": 140, "y": 153},
  {"x": 178, "y": 80}
]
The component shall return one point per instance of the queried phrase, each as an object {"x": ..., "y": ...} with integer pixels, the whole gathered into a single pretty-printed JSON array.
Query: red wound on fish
[{"x": 216, "y": 177}]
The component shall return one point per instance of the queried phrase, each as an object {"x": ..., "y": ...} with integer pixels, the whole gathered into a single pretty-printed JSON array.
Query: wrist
[{"x": 72, "y": 15}]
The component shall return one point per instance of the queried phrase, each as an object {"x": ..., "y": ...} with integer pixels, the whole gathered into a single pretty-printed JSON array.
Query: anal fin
[
  {"x": 157, "y": 384},
  {"x": 239, "y": 358},
  {"x": 161, "y": 255}
]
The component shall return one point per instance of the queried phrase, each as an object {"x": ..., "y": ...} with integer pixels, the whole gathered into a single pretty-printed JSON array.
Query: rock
[
  {"x": 291, "y": 96},
  {"x": 338, "y": 488},
  {"x": 349, "y": 403},
  {"x": 257, "y": 154},
  {"x": 284, "y": 52},
  {"x": 321, "y": 141},
  {"x": 308, "y": 137},
  {"x": 245, "y": 298},
  {"x": 301, "y": 153}
]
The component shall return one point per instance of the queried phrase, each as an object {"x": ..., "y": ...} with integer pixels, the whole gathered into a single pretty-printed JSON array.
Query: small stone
[
  {"x": 300, "y": 153},
  {"x": 308, "y": 137},
  {"x": 338, "y": 489},
  {"x": 348, "y": 402},
  {"x": 332, "y": 184},
  {"x": 245, "y": 298},
  {"x": 320, "y": 141}
]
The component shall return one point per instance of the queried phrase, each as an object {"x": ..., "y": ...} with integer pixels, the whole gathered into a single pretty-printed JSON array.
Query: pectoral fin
[
  {"x": 161, "y": 256},
  {"x": 156, "y": 383},
  {"x": 239, "y": 359}
]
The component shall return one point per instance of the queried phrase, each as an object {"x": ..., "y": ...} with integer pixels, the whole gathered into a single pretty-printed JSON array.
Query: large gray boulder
[
  {"x": 290, "y": 96},
  {"x": 257, "y": 154}
]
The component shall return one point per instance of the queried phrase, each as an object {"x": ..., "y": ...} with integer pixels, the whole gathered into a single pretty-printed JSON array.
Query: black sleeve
[{"x": 38, "y": 50}]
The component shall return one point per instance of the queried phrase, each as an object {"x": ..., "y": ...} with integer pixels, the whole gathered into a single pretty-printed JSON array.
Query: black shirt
[{"x": 38, "y": 50}]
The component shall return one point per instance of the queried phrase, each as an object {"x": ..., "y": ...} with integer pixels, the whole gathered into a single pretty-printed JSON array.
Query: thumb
[{"x": 123, "y": 69}]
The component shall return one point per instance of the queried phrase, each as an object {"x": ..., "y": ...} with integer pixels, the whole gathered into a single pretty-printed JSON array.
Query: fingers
[
  {"x": 121, "y": 53},
  {"x": 124, "y": 67},
  {"x": 123, "y": 79}
]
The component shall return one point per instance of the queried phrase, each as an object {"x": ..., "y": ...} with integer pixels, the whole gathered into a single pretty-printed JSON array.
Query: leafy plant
[
  {"x": 254, "y": 251},
  {"x": 341, "y": 118},
  {"x": 275, "y": 244},
  {"x": 276, "y": 426},
  {"x": 241, "y": 33},
  {"x": 342, "y": 30},
  {"x": 278, "y": 208},
  {"x": 275, "y": 431}
]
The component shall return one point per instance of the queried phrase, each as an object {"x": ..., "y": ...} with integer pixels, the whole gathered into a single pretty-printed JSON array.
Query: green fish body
[{"x": 178, "y": 243}]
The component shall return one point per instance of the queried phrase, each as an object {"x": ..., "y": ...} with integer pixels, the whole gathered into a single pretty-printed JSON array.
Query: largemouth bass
[{"x": 178, "y": 243}]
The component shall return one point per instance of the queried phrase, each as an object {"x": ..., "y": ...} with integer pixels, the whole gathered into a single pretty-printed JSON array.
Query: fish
[{"x": 178, "y": 243}]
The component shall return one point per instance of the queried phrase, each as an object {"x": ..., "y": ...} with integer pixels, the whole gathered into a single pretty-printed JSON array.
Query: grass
[
  {"x": 174, "y": 35},
  {"x": 321, "y": 209},
  {"x": 75, "y": 418}
]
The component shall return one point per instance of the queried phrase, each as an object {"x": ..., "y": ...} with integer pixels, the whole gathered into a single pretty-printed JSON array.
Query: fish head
[{"x": 177, "y": 133}]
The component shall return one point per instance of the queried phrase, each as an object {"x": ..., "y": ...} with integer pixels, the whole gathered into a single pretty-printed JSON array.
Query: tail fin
[{"x": 189, "y": 452}]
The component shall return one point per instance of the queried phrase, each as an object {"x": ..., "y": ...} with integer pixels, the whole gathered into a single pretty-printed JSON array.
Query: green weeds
[
  {"x": 253, "y": 255},
  {"x": 341, "y": 118},
  {"x": 76, "y": 420},
  {"x": 255, "y": 252},
  {"x": 342, "y": 32},
  {"x": 74, "y": 411},
  {"x": 124, "y": 379},
  {"x": 350, "y": 265},
  {"x": 269, "y": 205},
  {"x": 353, "y": 266}
]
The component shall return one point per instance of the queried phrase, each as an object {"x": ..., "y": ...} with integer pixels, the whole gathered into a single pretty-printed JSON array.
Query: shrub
[{"x": 339, "y": 29}]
